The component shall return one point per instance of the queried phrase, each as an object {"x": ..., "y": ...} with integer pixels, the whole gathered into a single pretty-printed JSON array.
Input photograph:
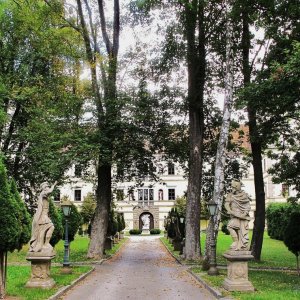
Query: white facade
[{"x": 157, "y": 198}]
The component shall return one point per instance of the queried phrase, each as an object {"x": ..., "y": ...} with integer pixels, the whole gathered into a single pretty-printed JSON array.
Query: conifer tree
[{"x": 10, "y": 229}]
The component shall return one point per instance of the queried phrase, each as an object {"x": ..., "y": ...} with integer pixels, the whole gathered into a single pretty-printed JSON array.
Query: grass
[
  {"x": 269, "y": 285},
  {"x": 273, "y": 252},
  {"x": 78, "y": 251},
  {"x": 19, "y": 275}
]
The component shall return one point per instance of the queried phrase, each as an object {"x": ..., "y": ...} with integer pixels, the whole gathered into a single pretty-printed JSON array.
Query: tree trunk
[
  {"x": 196, "y": 79},
  {"x": 256, "y": 147},
  {"x": 100, "y": 220},
  {"x": 224, "y": 133},
  {"x": 3, "y": 265}
]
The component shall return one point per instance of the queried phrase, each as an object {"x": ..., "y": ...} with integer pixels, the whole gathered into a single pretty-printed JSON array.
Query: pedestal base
[
  {"x": 145, "y": 231},
  {"x": 237, "y": 271},
  {"x": 40, "y": 271}
]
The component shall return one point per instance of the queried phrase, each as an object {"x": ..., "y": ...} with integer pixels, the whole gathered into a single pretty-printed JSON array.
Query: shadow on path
[{"x": 142, "y": 269}]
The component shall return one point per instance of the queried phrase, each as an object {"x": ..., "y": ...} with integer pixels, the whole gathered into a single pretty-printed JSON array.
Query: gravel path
[{"x": 142, "y": 270}]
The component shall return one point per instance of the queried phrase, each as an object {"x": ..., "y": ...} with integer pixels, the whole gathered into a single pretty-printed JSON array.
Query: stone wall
[{"x": 138, "y": 211}]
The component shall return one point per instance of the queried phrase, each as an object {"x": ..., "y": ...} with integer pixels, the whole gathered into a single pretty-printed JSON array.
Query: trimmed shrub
[
  {"x": 135, "y": 231},
  {"x": 56, "y": 219},
  {"x": 224, "y": 227},
  {"x": 278, "y": 216},
  {"x": 292, "y": 235},
  {"x": 74, "y": 222},
  {"x": 155, "y": 231}
]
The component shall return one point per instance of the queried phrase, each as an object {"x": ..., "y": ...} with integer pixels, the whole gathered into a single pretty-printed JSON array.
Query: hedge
[
  {"x": 278, "y": 215},
  {"x": 135, "y": 231},
  {"x": 155, "y": 231}
]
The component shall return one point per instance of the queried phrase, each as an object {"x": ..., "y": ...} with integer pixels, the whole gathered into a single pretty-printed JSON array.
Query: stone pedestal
[
  {"x": 145, "y": 231},
  {"x": 237, "y": 271},
  {"x": 40, "y": 270}
]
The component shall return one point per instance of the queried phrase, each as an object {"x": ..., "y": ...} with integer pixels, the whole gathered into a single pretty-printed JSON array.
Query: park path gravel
[{"x": 143, "y": 269}]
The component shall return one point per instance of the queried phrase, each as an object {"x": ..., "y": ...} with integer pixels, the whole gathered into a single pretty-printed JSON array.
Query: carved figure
[
  {"x": 42, "y": 226},
  {"x": 237, "y": 204},
  {"x": 146, "y": 221}
]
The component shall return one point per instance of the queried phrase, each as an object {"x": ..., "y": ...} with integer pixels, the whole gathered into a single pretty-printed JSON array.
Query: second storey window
[
  {"x": 171, "y": 169},
  {"x": 77, "y": 195},
  {"x": 120, "y": 195},
  {"x": 171, "y": 194},
  {"x": 145, "y": 196}
]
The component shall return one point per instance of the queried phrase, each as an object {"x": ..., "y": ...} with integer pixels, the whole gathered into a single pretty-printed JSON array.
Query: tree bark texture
[
  {"x": 196, "y": 78},
  {"x": 106, "y": 113},
  {"x": 100, "y": 220},
  {"x": 224, "y": 132},
  {"x": 3, "y": 266},
  {"x": 256, "y": 148}
]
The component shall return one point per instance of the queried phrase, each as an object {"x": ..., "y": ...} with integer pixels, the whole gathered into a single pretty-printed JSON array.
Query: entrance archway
[{"x": 146, "y": 221}]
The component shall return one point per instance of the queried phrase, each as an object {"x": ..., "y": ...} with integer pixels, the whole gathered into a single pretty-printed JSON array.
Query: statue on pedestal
[
  {"x": 237, "y": 204},
  {"x": 42, "y": 226},
  {"x": 40, "y": 251}
]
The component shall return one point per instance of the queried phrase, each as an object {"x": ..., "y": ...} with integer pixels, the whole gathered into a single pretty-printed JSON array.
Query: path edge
[
  {"x": 64, "y": 289},
  {"x": 216, "y": 293}
]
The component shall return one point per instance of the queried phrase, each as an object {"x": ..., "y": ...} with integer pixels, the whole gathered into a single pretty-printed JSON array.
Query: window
[
  {"x": 160, "y": 195},
  {"x": 77, "y": 195},
  {"x": 285, "y": 190},
  {"x": 120, "y": 195},
  {"x": 145, "y": 196},
  {"x": 131, "y": 195},
  {"x": 171, "y": 169},
  {"x": 78, "y": 171},
  {"x": 171, "y": 194}
]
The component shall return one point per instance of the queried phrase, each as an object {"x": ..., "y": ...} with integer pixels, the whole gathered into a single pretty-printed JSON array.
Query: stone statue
[
  {"x": 146, "y": 221},
  {"x": 42, "y": 226},
  {"x": 237, "y": 204}
]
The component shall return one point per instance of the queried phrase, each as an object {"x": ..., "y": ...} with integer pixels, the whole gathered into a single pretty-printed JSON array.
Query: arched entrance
[{"x": 146, "y": 221}]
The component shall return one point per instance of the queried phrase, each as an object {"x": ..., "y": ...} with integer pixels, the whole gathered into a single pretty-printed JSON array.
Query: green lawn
[
  {"x": 274, "y": 253},
  {"x": 78, "y": 251},
  {"x": 269, "y": 285},
  {"x": 19, "y": 275}
]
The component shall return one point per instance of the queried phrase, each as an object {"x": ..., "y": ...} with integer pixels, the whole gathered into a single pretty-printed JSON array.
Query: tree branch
[{"x": 103, "y": 27}]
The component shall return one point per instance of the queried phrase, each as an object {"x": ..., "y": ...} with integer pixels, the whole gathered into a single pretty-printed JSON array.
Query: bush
[
  {"x": 155, "y": 231},
  {"x": 56, "y": 219},
  {"x": 278, "y": 215},
  {"x": 292, "y": 235},
  {"x": 135, "y": 231},
  {"x": 74, "y": 222},
  {"x": 224, "y": 227}
]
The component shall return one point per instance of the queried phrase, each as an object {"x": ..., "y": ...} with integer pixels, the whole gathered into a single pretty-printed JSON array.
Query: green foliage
[
  {"x": 121, "y": 222},
  {"x": 88, "y": 208},
  {"x": 56, "y": 219},
  {"x": 113, "y": 224},
  {"x": 135, "y": 231},
  {"x": 40, "y": 91},
  {"x": 224, "y": 227},
  {"x": 74, "y": 222},
  {"x": 278, "y": 216},
  {"x": 155, "y": 231},
  {"x": 292, "y": 233},
  {"x": 23, "y": 215},
  {"x": 10, "y": 229}
]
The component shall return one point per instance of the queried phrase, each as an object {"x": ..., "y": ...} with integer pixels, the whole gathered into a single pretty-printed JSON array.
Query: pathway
[{"x": 142, "y": 270}]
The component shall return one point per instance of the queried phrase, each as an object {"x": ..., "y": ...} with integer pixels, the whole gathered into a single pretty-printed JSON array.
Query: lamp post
[
  {"x": 66, "y": 208},
  {"x": 212, "y": 207}
]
